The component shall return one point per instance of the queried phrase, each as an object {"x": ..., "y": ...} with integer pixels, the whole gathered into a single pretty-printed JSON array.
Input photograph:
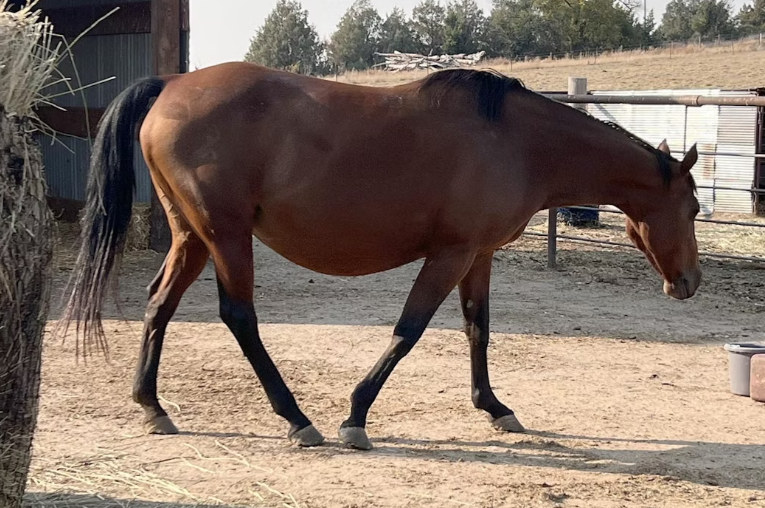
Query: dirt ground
[{"x": 624, "y": 392}]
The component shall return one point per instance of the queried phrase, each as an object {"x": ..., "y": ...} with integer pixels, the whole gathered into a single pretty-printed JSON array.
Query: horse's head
[{"x": 662, "y": 227}]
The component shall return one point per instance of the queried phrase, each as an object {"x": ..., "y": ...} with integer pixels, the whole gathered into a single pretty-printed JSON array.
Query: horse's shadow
[
  {"x": 703, "y": 463},
  {"x": 56, "y": 499}
]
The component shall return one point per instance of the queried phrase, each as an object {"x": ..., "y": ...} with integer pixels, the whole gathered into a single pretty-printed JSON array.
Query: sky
[{"x": 221, "y": 34}]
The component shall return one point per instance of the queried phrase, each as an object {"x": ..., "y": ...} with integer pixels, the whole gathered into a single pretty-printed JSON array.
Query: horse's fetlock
[{"x": 479, "y": 400}]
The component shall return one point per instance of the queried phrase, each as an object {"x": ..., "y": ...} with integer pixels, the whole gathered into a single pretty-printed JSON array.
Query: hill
[{"x": 729, "y": 67}]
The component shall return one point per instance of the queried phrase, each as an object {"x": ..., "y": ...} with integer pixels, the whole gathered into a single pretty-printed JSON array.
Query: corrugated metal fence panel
[
  {"x": 737, "y": 134},
  {"x": 713, "y": 128},
  {"x": 66, "y": 165},
  {"x": 127, "y": 58},
  {"x": 701, "y": 128},
  {"x": 67, "y": 161},
  {"x": 142, "y": 177},
  {"x": 655, "y": 123},
  {"x": 124, "y": 57}
]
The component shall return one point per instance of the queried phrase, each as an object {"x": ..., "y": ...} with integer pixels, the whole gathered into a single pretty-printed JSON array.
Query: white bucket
[{"x": 739, "y": 359}]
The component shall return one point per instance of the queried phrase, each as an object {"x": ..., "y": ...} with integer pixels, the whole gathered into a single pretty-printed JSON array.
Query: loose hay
[{"x": 116, "y": 479}]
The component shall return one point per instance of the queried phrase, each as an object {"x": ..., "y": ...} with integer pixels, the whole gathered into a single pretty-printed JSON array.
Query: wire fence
[{"x": 553, "y": 236}]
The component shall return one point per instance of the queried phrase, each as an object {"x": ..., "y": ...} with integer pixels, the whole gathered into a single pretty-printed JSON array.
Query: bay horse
[{"x": 351, "y": 180}]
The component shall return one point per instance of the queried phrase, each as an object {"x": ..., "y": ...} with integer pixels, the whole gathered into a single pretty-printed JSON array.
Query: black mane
[
  {"x": 488, "y": 86},
  {"x": 664, "y": 159}
]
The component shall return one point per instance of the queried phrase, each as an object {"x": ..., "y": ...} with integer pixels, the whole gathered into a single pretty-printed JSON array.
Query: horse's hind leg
[
  {"x": 232, "y": 255},
  {"x": 183, "y": 264},
  {"x": 474, "y": 297}
]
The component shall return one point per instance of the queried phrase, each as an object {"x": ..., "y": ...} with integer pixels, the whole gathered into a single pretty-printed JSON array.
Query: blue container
[{"x": 578, "y": 217}]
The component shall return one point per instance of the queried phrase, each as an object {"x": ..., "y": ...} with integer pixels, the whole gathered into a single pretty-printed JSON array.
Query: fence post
[
  {"x": 576, "y": 86},
  {"x": 552, "y": 237}
]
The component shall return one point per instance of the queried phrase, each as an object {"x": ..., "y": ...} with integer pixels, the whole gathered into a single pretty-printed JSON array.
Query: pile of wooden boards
[{"x": 398, "y": 61}]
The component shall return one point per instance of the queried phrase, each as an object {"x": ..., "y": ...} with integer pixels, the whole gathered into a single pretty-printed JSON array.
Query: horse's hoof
[
  {"x": 507, "y": 423},
  {"x": 160, "y": 425},
  {"x": 355, "y": 437},
  {"x": 306, "y": 437}
]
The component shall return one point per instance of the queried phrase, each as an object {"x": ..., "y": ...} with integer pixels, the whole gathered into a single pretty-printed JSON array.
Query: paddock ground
[{"x": 624, "y": 392}]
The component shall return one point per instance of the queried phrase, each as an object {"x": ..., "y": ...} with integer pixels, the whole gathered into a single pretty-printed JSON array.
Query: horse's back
[{"x": 341, "y": 179}]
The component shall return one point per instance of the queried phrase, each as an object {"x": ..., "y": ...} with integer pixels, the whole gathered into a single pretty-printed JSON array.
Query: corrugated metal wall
[
  {"x": 737, "y": 133},
  {"x": 714, "y": 128},
  {"x": 124, "y": 57}
]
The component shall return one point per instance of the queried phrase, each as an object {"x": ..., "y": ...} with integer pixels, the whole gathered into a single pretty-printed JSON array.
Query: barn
[{"x": 125, "y": 40}]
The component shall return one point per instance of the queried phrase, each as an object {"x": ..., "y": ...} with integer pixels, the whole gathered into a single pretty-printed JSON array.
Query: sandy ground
[{"x": 624, "y": 392}]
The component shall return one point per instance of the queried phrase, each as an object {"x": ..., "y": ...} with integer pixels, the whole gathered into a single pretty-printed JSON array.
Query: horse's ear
[
  {"x": 689, "y": 160},
  {"x": 664, "y": 147}
]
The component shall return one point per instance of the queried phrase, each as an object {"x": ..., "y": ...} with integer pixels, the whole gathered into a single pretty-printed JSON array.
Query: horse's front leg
[
  {"x": 474, "y": 297},
  {"x": 437, "y": 278}
]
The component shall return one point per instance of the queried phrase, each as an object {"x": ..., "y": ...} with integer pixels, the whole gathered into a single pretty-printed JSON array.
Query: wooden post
[
  {"x": 166, "y": 37},
  {"x": 577, "y": 86}
]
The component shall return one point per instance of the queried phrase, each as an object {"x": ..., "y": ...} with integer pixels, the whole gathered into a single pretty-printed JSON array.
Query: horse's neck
[{"x": 589, "y": 163}]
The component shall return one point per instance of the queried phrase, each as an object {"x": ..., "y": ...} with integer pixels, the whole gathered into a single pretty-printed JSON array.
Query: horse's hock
[{"x": 25, "y": 255}]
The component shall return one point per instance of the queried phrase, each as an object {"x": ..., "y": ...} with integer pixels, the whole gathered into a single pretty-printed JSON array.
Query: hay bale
[
  {"x": 27, "y": 62},
  {"x": 139, "y": 230},
  {"x": 25, "y": 258}
]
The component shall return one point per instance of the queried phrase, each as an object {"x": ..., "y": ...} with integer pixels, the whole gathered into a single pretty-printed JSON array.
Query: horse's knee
[{"x": 158, "y": 311}]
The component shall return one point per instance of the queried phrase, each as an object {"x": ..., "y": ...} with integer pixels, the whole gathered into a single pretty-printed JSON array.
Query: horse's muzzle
[{"x": 683, "y": 287}]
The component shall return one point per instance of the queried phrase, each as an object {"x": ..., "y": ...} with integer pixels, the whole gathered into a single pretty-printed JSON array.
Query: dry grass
[
  {"x": 729, "y": 67},
  {"x": 115, "y": 479},
  {"x": 713, "y": 238}
]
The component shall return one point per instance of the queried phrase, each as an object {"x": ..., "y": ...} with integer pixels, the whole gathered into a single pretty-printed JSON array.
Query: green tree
[
  {"x": 572, "y": 25},
  {"x": 397, "y": 34},
  {"x": 686, "y": 19},
  {"x": 512, "y": 28},
  {"x": 712, "y": 18},
  {"x": 606, "y": 24},
  {"x": 286, "y": 40},
  {"x": 646, "y": 30},
  {"x": 464, "y": 27},
  {"x": 355, "y": 41},
  {"x": 751, "y": 18},
  {"x": 676, "y": 21},
  {"x": 428, "y": 19}
]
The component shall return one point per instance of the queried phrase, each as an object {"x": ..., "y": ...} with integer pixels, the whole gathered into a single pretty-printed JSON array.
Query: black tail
[{"x": 108, "y": 209}]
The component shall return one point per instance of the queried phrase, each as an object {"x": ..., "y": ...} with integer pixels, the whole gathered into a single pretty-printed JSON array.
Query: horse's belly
[{"x": 346, "y": 254}]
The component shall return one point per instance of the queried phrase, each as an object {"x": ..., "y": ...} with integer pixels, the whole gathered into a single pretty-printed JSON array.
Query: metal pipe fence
[{"x": 687, "y": 101}]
